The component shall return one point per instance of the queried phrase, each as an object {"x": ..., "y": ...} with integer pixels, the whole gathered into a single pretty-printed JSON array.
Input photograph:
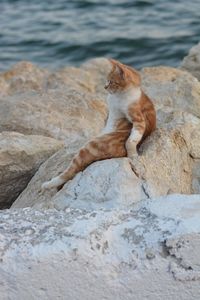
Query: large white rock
[{"x": 147, "y": 251}]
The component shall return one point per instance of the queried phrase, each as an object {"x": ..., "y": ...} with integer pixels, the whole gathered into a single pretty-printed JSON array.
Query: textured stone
[
  {"x": 165, "y": 165},
  {"x": 105, "y": 235},
  {"x": 62, "y": 105},
  {"x": 172, "y": 87},
  {"x": 23, "y": 77},
  {"x": 191, "y": 62},
  {"x": 20, "y": 157},
  {"x": 147, "y": 251}
]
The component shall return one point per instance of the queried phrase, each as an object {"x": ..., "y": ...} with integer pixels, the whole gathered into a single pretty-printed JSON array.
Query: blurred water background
[{"x": 56, "y": 33}]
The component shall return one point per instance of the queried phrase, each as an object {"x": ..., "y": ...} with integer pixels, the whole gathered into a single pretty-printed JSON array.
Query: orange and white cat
[{"x": 131, "y": 119}]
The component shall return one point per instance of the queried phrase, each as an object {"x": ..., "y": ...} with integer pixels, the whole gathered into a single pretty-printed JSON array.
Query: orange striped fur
[{"x": 131, "y": 119}]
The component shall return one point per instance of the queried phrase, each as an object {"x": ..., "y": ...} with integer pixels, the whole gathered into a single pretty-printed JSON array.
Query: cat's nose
[{"x": 106, "y": 86}]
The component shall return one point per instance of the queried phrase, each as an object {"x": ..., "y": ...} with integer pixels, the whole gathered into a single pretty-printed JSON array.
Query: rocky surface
[
  {"x": 20, "y": 157},
  {"x": 62, "y": 105},
  {"x": 191, "y": 62},
  {"x": 168, "y": 163},
  {"x": 147, "y": 251},
  {"x": 113, "y": 232},
  {"x": 172, "y": 87}
]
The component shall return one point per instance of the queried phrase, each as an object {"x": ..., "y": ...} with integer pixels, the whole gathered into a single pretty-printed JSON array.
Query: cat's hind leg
[{"x": 104, "y": 147}]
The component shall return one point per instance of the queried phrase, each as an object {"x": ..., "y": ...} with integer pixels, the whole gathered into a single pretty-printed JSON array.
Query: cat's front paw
[{"x": 131, "y": 148}]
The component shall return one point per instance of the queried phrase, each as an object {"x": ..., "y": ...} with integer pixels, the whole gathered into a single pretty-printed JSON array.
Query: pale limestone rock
[
  {"x": 166, "y": 165},
  {"x": 63, "y": 105},
  {"x": 196, "y": 176},
  {"x": 99, "y": 68},
  {"x": 142, "y": 251},
  {"x": 62, "y": 115},
  {"x": 23, "y": 77},
  {"x": 20, "y": 157},
  {"x": 172, "y": 87},
  {"x": 191, "y": 62}
]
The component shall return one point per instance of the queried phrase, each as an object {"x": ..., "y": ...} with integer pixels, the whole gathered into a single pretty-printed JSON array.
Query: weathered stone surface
[
  {"x": 165, "y": 165},
  {"x": 196, "y": 176},
  {"x": 147, "y": 251},
  {"x": 99, "y": 68},
  {"x": 20, "y": 157},
  {"x": 23, "y": 77},
  {"x": 63, "y": 105},
  {"x": 98, "y": 185},
  {"x": 105, "y": 235},
  {"x": 191, "y": 62},
  {"x": 172, "y": 87}
]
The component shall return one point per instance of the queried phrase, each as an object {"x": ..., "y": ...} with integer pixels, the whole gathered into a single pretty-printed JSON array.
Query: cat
[{"x": 131, "y": 119}]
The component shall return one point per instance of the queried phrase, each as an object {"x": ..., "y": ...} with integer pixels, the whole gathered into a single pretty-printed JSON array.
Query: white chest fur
[
  {"x": 118, "y": 106},
  {"x": 121, "y": 101}
]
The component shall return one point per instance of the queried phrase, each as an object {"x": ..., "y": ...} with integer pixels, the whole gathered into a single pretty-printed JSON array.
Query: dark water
[{"x": 57, "y": 33}]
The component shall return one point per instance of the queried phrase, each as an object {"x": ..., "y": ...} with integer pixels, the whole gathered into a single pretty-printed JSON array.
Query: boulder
[
  {"x": 98, "y": 185},
  {"x": 65, "y": 103},
  {"x": 166, "y": 86},
  {"x": 99, "y": 68},
  {"x": 149, "y": 250},
  {"x": 191, "y": 62},
  {"x": 172, "y": 87},
  {"x": 20, "y": 157},
  {"x": 62, "y": 105},
  {"x": 23, "y": 77},
  {"x": 166, "y": 165}
]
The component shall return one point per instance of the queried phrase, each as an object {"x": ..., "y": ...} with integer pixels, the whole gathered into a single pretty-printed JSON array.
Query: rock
[
  {"x": 107, "y": 234},
  {"x": 23, "y": 77},
  {"x": 139, "y": 252},
  {"x": 99, "y": 68},
  {"x": 96, "y": 185},
  {"x": 62, "y": 105},
  {"x": 196, "y": 176},
  {"x": 166, "y": 165},
  {"x": 185, "y": 250},
  {"x": 20, "y": 157},
  {"x": 191, "y": 62},
  {"x": 172, "y": 87}
]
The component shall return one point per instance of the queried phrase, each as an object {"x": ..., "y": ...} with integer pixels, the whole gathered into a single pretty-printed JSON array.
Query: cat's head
[{"x": 121, "y": 78}]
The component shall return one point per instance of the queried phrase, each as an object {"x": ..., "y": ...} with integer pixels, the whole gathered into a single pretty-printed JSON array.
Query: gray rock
[{"x": 20, "y": 158}]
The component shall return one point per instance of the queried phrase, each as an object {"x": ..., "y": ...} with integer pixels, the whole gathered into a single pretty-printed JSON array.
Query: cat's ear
[
  {"x": 118, "y": 68},
  {"x": 135, "y": 75}
]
